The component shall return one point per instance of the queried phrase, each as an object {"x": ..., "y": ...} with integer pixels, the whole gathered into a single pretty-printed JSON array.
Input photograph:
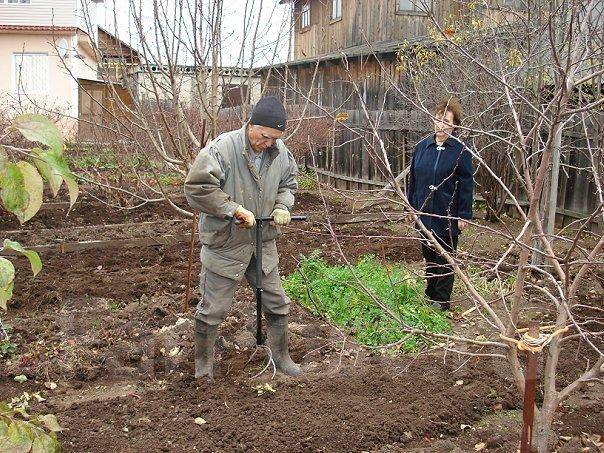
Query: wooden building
[{"x": 345, "y": 60}]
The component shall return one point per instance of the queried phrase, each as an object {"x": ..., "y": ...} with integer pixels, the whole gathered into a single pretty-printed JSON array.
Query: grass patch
[
  {"x": 104, "y": 159},
  {"x": 333, "y": 292},
  {"x": 171, "y": 179},
  {"x": 307, "y": 179}
]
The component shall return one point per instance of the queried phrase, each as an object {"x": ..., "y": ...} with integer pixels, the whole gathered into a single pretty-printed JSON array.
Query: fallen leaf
[
  {"x": 21, "y": 378},
  {"x": 50, "y": 385},
  {"x": 480, "y": 446},
  {"x": 200, "y": 421},
  {"x": 460, "y": 382},
  {"x": 566, "y": 438},
  {"x": 50, "y": 422},
  {"x": 264, "y": 388}
]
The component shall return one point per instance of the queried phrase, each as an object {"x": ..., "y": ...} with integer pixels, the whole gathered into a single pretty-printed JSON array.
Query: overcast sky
[{"x": 272, "y": 36}]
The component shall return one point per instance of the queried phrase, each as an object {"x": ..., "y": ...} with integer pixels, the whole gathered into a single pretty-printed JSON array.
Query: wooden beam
[
  {"x": 369, "y": 217},
  {"x": 347, "y": 178},
  {"x": 84, "y": 227},
  {"x": 66, "y": 247}
]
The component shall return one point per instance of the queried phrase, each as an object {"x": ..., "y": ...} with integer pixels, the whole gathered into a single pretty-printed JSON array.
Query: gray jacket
[{"x": 222, "y": 178}]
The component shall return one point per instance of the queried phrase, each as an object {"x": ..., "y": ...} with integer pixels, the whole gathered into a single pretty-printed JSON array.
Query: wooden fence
[{"x": 350, "y": 165}]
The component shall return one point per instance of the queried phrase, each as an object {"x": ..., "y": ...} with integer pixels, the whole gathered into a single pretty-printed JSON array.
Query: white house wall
[{"x": 40, "y": 12}]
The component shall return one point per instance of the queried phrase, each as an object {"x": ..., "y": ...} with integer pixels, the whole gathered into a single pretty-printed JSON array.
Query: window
[
  {"x": 413, "y": 6},
  {"x": 305, "y": 15},
  {"x": 336, "y": 9},
  {"x": 30, "y": 73}
]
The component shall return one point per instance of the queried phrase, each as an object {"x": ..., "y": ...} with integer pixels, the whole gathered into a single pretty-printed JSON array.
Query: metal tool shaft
[{"x": 259, "y": 223}]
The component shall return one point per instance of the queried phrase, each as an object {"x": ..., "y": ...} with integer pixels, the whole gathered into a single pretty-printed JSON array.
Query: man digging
[{"x": 241, "y": 175}]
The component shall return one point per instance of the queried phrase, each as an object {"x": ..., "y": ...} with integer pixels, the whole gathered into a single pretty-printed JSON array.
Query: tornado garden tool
[{"x": 259, "y": 337}]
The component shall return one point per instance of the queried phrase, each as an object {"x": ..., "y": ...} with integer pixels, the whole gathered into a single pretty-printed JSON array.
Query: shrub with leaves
[
  {"x": 22, "y": 183},
  {"x": 335, "y": 292},
  {"x": 22, "y": 175},
  {"x": 21, "y": 431}
]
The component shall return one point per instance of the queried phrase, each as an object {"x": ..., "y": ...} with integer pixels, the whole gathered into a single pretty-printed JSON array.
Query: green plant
[
  {"x": 334, "y": 292},
  {"x": 307, "y": 179},
  {"x": 171, "y": 179},
  {"x": 7, "y": 347},
  {"x": 24, "y": 432},
  {"x": 104, "y": 159},
  {"x": 21, "y": 193},
  {"x": 114, "y": 305}
]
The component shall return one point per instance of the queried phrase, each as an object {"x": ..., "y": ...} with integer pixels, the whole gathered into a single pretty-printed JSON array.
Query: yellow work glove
[
  {"x": 246, "y": 217},
  {"x": 281, "y": 217}
]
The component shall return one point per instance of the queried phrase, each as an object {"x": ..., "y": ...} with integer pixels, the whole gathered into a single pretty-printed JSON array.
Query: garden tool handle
[
  {"x": 293, "y": 218},
  {"x": 269, "y": 218},
  {"x": 259, "y": 223}
]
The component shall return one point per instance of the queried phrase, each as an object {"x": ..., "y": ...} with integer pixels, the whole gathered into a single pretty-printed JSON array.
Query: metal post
[
  {"x": 259, "y": 339},
  {"x": 259, "y": 223},
  {"x": 185, "y": 302},
  {"x": 530, "y": 384}
]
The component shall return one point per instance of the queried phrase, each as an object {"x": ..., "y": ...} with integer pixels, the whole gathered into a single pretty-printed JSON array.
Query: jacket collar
[{"x": 451, "y": 141}]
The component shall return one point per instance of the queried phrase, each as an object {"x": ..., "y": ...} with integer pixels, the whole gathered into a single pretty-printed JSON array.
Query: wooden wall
[{"x": 362, "y": 21}]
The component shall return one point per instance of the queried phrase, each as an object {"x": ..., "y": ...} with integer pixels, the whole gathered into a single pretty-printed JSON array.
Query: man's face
[
  {"x": 443, "y": 124},
  {"x": 262, "y": 138}
]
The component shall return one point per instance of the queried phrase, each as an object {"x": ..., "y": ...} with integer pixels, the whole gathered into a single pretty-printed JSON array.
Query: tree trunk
[{"x": 544, "y": 437}]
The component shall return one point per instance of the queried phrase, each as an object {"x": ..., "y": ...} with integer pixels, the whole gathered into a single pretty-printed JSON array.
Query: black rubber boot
[
  {"x": 277, "y": 342},
  {"x": 205, "y": 337},
  {"x": 442, "y": 306}
]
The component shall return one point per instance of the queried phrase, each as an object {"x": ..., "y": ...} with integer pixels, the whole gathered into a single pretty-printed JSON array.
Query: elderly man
[{"x": 240, "y": 175}]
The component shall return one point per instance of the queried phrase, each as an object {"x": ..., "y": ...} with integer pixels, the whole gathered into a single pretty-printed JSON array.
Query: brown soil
[{"x": 107, "y": 327}]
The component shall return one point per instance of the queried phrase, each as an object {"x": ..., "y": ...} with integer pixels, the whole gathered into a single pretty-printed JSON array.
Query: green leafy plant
[
  {"x": 21, "y": 431},
  {"x": 334, "y": 292},
  {"x": 7, "y": 347},
  {"x": 21, "y": 193},
  {"x": 307, "y": 179},
  {"x": 104, "y": 159},
  {"x": 21, "y": 181},
  {"x": 171, "y": 179}
]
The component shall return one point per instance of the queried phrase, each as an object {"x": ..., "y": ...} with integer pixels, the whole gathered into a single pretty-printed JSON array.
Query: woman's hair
[{"x": 450, "y": 105}]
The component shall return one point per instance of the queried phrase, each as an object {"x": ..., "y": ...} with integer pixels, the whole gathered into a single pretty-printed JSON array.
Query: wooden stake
[
  {"x": 530, "y": 384},
  {"x": 185, "y": 303}
]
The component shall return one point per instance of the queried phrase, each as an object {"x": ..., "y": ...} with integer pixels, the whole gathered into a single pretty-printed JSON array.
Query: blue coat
[{"x": 441, "y": 182}]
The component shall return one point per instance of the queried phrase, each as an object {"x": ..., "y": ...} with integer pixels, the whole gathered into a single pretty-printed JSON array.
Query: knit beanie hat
[{"x": 269, "y": 112}]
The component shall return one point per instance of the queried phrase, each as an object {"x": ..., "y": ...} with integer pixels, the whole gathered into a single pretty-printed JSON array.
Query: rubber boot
[
  {"x": 277, "y": 342},
  {"x": 205, "y": 337},
  {"x": 442, "y": 306}
]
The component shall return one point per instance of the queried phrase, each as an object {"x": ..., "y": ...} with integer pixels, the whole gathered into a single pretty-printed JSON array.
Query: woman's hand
[{"x": 462, "y": 224}]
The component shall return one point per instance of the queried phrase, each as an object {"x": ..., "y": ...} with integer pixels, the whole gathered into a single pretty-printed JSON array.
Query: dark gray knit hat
[{"x": 269, "y": 112}]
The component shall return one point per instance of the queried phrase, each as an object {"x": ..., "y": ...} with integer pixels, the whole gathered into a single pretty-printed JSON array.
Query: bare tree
[{"x": 531, "y": 79}]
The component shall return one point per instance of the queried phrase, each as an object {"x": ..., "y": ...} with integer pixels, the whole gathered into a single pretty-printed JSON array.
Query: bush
[{"x": 333, "y": 292}]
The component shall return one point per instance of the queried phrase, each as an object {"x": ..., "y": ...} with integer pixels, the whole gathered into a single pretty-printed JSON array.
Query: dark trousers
[{"x": 439, "y": 274}]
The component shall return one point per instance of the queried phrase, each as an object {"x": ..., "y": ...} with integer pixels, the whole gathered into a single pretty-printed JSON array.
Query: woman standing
[{"x": 441, "y": 186}]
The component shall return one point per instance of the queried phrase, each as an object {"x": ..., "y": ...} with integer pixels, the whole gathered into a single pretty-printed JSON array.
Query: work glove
[
  {"x": 246, "y": 217},
  {"x": 281, "y": 217}
]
